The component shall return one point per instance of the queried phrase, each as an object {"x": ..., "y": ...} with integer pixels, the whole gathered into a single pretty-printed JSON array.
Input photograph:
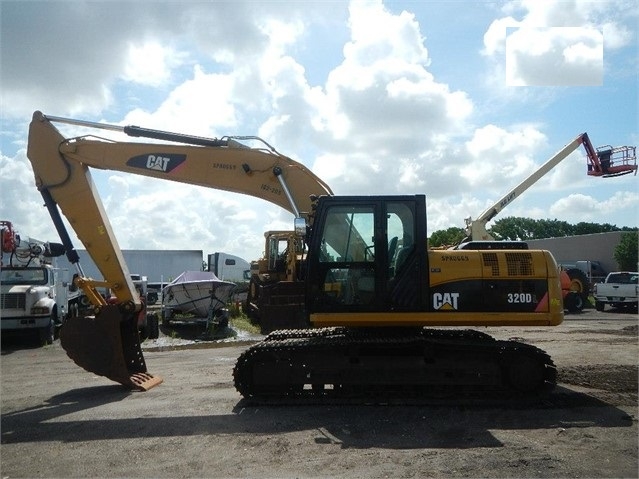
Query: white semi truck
[
  {"x": 36, "y": 297},
  {"x": 228, "y": 267}
]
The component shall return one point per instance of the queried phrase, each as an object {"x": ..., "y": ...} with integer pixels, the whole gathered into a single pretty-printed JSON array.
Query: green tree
[
  {"x": 584, "y": 228},
  {"x": 522, "y": 229},
  {"x": 448, "y": 237},
  {"x": 513, "y": 229},
  {"x": 552, "y": 229},
  {"x": 626, "y": 251}
]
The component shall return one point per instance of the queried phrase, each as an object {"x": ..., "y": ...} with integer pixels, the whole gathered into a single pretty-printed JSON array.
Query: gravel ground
[{"x": 60, "y": 421}]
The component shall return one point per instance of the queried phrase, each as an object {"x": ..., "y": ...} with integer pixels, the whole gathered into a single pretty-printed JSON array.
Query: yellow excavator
[
  {"x": 372, "y": 290},
  {"x": 276, "y": 283}
]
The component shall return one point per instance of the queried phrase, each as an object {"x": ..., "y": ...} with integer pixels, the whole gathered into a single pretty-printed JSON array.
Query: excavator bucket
[{"x": 108, "y": 344}]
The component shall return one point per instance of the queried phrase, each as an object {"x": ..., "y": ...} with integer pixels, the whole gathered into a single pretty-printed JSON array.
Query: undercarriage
[{"x": 388, "y": 365}]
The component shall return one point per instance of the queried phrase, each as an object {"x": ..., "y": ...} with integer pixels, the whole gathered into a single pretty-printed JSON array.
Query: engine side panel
[{"x": 475, "y": 288}]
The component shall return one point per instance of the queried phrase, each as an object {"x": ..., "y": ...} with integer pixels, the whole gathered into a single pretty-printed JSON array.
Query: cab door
[
  {"x": 405, "y": 283},
  {"x": 344, "y": 271},
  {"x": 363, "y": 251}
]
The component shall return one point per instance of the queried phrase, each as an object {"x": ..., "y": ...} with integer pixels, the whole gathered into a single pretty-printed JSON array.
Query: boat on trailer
[{"x": 196, "y": 293}]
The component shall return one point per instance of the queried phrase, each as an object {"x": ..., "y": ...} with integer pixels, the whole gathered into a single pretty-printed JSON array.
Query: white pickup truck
[{"x": 620, "y": 290}]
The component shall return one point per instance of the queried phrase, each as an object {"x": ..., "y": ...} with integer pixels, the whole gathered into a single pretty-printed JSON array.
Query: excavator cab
[{"x": 367, "y": 257}]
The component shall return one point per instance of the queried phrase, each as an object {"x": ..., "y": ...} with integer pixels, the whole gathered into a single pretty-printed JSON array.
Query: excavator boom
[{"x": 225, "y": 164}]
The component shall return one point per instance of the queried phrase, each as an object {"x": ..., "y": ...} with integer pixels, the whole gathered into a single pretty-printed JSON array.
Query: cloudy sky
[{"x": 459, "y": 100}]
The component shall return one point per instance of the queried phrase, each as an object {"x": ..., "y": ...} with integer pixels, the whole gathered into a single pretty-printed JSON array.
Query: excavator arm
[
  {"x": 69, "y": 186},
  {"x": 108, "y": 344}
]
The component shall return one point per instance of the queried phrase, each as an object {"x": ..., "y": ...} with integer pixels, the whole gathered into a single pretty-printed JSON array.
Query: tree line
[{"x": 514, "y": 228}]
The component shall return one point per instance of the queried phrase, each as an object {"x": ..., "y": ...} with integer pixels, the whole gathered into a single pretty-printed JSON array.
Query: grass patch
[{"x": 243, "y": 323}]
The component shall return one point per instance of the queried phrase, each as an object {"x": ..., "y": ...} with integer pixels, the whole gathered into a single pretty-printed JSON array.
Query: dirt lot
[{"x": 60, "y": 421}]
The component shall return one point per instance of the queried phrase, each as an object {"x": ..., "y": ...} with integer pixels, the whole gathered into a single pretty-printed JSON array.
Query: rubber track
[{"x": 305, "y": 351}]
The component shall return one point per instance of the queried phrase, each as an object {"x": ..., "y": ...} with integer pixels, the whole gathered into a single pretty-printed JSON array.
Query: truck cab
[{"x": 36, "y": 299}]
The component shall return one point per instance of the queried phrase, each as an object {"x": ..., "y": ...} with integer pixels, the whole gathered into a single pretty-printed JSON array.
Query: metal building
[
  {"x": 593, "y": 247},
  {"x": 156, "y": 265}
]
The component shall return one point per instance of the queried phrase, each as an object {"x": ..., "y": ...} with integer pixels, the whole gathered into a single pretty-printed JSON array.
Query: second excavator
[{"x": 373, "y": 292}]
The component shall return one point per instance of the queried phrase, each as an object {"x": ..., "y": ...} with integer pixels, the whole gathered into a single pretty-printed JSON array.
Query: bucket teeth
[
  {"x": 145, "y": 381},
  {"x": 108, "y": 344}
]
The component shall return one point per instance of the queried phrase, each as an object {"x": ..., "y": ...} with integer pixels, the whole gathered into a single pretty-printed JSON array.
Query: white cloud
[
  {"x": 442, "y": 214},
  {"x": 555, "y": 42},
  {"x": 367, "y": 20},
  {"x": 150, "y": 64},
  {"x": 189, "y": 217},
  {"x": 411, "y": 175},
  {"x": 554, "y": 56},
  {"x": 500, "y": 159},
  {"x": 330, "y": 167},
  {"x": 111, "y": 41},
  {"x": 382, "y": 105},
  {"x": 580, "y": 207},
  {"x": 79, "y": 67},
  {"x": 553, "y": 13},
  {"x": 615, "y": 35},
  {"x": 16, "y": 178},
  {"x": 193, "y": 108},
  {"x": 570, "y": 173},
  {"x": 495, "y": 36}
]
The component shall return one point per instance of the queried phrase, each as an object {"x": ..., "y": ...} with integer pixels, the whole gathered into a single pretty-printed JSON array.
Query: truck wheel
[
  {"x": 253, "y": 298},
  {"x": 600, "y": 306},
  {"x": 151, "y": 297},
  {"x": 574, "y": 302},
  {"x": 46, "y": 335},
  {"x": 167, "y": 314},
  {"x": 579, "y": 282},
  {"x": 153, "y": 326}
]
